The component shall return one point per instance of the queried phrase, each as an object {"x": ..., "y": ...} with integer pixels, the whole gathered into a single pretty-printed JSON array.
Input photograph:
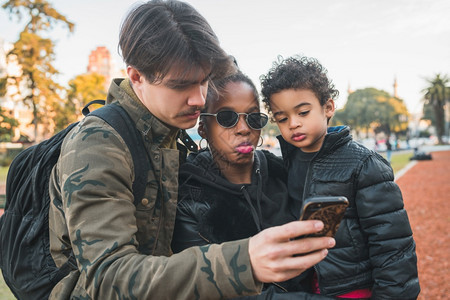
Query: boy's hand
[{"x": 275, "y": 255}]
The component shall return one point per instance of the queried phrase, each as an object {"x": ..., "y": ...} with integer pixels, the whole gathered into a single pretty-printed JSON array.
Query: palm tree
[{"x": 437, "y": 94}]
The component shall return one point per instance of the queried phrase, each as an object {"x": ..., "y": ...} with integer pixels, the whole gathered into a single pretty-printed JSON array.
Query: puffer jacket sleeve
[
  {"x": 384, "y": 220},
  {"x": 97, "y": 203}
]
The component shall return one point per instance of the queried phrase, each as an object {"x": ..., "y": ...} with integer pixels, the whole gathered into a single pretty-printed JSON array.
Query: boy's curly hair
[{"x": 297, "y": 72}]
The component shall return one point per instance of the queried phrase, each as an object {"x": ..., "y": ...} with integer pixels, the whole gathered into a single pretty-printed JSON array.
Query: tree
[
  {"x": 82, "y": 89},
  {"x": 34, "y": 54},
  {"x": 375, "y": 109},
  {"x": 3, "y": 86},
  {"x": 7, "y": 125},
  {"x": 437, "y": 94},
  {"x": 428, "y": 113}
]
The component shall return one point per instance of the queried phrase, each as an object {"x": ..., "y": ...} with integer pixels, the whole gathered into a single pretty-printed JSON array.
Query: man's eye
[{"x": 180, "y": 87}]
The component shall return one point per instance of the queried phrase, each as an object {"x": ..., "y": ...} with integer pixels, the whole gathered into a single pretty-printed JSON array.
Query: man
[{"x": 123, "y": 250}]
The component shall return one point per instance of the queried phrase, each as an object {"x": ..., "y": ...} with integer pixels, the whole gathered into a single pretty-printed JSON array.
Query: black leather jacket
[{"x": 374, "y": 244}]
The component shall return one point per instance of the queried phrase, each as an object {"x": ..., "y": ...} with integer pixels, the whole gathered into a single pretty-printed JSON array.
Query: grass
[
  {"x": 398, "y": 161},
  {"x": 5, "y": 293},
  {"x": 3, "y": 173}
]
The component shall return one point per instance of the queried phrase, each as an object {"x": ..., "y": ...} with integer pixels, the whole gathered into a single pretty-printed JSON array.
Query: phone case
[{"x": 330, "y": 210}]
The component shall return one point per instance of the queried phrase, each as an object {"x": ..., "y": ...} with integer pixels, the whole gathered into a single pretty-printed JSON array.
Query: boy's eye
[
  {"x": 281, "y": 120},
  {"x": 303, "y": 113}
]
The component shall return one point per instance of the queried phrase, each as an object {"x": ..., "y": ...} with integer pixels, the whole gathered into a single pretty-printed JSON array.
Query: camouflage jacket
[{"x": 123, "y": 250}]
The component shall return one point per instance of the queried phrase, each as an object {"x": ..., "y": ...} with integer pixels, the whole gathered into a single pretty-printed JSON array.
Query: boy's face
[
  {"x": 173, "y": 101},
  {"x": 300, "y": 117}
]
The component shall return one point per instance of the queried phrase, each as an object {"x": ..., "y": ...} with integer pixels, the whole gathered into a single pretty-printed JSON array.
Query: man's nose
[{"x": 197, "y": 96}]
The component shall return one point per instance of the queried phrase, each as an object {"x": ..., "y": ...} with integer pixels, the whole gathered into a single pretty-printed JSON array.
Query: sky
[{"x": 362, "y": 43}]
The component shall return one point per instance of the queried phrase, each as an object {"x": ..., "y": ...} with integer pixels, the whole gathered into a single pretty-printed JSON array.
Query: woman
[{"x": 230, "y": 190}]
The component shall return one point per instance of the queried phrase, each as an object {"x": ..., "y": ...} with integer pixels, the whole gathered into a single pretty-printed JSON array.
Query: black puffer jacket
[
  {"x": 213, "y": 210},
  {"x": 374, "y": 244}
]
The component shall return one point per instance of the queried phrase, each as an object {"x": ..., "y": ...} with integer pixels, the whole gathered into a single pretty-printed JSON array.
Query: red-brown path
[{"x": 426, "y": 192}]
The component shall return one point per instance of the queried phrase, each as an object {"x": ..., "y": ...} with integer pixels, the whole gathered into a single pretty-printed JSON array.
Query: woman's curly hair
[{"x": 297, "y": 72}]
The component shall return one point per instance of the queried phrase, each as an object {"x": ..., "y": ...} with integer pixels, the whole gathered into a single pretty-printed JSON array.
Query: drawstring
[
  {"x": 252, "y": 208},
  {"x": 259, "y": 193},
  {"x": 257, "y": 215}
]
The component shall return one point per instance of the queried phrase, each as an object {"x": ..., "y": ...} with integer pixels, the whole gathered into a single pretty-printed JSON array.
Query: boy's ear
[
  {"x": 329, "y": 108},
  {"x": 201, "y": 129}
]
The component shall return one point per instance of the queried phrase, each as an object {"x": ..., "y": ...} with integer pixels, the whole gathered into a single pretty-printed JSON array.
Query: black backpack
[{"x": 25, "y": 259}]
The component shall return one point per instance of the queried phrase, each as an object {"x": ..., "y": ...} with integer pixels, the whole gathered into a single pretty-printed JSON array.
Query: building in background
[{"x": 100, "y": 62}]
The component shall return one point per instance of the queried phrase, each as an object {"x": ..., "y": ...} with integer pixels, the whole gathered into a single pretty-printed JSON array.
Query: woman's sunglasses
[{"x": 229, "y": 119}]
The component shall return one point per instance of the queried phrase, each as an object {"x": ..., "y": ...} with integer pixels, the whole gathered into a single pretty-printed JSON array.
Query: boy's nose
[{"x": 294, "y": 123}]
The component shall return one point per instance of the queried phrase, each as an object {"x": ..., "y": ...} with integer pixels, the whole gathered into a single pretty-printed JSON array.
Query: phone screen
[{"x": 329, "y": 209}]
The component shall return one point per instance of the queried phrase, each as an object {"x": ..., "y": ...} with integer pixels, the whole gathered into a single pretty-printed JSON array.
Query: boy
[{"x": 375, "y": 252}]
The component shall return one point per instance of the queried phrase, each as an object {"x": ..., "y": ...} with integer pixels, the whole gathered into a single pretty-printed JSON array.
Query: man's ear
[
  {"x": 329, "y": 108},
  {"x": 201, "y": 129},
  {"x": 135, "y": 76}
]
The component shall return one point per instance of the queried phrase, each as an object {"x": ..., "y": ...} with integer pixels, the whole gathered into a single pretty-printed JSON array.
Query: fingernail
[
  {"x": 318, "y": 225},
  {"x": 331, "y": 242},
  {"x": 324, "y": 252}
]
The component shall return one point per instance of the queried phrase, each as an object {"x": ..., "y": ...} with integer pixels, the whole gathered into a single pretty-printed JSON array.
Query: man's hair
[
  {"x": 219, "y": 90},
  {"x": 162, "y": 37},
  {"x": 297, "y": 72}
]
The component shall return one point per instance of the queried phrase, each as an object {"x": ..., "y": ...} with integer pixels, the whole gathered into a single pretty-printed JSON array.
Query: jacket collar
[
  {"x": 202, "y": 167},
  {"x": 152, "y": 128},
  {"x": 335, "y": 137}
]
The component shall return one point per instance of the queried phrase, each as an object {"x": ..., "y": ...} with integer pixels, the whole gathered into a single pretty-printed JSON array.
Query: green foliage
[
  {"x": 375, "y": 109},
  {"x": 7, "y": 125},
  {"x": 3, "y": 86},
  {"x": 82, "y": 89},
  {"x": 42, "y": 15},
  {"x": 87, "y": 87},
  {"x": 428, "y": 112},
  {"x": 34, "y": 54},
  {"x": 437, "y": 94}
]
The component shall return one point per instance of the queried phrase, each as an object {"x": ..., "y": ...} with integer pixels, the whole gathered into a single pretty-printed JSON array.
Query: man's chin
[{"x": 186, "y": 124}]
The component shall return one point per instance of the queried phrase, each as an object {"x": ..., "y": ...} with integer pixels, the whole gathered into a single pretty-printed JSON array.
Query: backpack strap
[
  {"x": 85, "y": 111},
  {"x": 119, "y": 119},
  {"x": 187, "y": 141}
]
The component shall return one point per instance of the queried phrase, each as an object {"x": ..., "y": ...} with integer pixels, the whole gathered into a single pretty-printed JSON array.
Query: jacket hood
[{"x": 202, "y": 168}]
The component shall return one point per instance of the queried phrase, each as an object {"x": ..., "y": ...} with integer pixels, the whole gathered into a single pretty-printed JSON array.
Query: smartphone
[{"x": 328, "y": 209}]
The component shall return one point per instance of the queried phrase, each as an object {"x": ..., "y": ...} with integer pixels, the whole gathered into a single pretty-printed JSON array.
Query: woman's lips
[
  {"x": 297, "y": 137},
  {"x": 245, "y": 148}
]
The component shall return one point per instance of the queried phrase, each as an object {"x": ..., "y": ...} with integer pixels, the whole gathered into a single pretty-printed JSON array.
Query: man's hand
[{"x": 275, "y": 255}]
